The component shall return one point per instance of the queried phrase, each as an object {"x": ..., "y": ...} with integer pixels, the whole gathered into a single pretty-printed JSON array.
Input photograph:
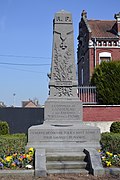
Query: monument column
[{"x": 63, "y": 105}]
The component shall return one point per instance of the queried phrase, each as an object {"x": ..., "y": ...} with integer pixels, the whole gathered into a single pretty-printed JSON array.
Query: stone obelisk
[
  {"x": 63, "y": 128},
  {"x": 63, "y": 105}
]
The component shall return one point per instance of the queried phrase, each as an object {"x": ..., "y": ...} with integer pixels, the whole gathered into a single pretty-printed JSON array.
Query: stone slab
[
  {"x": 40, "y": 163},
  {"x": 94, "y": 162},
  {"x": 63, "y": 133},
  {"x": 68, "y": 171},
  {"x": 61, "y": 111}
]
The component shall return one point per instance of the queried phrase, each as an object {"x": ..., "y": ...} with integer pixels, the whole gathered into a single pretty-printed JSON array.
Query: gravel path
[{"x": 62, "y": 177}]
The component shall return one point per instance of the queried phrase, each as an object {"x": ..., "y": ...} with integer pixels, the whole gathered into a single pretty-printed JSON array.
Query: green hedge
[
  {"x": 106, "y": 78},
  {"x": 111, "y": 142},
  {"x": 115, "y": 127},
  {"x": 4, "y": 128},
  {"x": 10, "y": 144}
]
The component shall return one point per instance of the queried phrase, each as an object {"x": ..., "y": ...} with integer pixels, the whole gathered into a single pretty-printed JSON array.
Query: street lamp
[{"x": 14, "y": 99}]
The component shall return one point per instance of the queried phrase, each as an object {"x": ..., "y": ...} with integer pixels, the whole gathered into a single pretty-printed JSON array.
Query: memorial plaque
[{"x": 63, "y": 111}]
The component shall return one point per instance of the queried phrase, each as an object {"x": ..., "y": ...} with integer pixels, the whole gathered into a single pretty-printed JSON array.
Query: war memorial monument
[{"x": 60, "y": 142}]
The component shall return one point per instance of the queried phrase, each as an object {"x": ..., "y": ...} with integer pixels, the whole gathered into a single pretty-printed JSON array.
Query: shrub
[
  {"x": 115, "y": 127},
  {"x": 4, "y": 128},
  {"x": 106, "y": 78},
  {"x": 10, "y": 144},
  {"x": 111, "y": 142}
]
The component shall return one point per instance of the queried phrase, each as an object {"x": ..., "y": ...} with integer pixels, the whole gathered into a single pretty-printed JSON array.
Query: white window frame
[{"x": 105, "y": 55}]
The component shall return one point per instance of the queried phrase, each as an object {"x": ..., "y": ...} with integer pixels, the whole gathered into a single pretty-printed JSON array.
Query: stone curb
[
  {"x": 16, "y": 172},
  {"x": 112, "y": 171}
]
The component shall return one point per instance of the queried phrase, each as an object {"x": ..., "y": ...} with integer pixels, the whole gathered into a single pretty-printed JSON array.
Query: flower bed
[
  {"x": 12, "y": 143},
  {"x": 18, "y": 160},
  {"x": 13, "y": 154},
  {"x": 110, "y": 159}
]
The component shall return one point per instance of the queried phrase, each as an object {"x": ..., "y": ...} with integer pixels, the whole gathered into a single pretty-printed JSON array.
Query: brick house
[
  {"x": 98, "y": 40},
  {"x": 30, "y": 104}
]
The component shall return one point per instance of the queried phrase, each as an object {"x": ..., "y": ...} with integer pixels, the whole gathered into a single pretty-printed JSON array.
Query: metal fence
[{"x": 87, "y": 94}]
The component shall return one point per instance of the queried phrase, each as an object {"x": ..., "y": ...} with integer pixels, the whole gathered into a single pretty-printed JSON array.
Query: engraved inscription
[
  {"x": 58, "y": 18},
  {"x": 63, "y": 19},
  {"x": 69, "y": 135},
  {"x": 63, "y": 111},
  {"x": 67, "y": 18}
]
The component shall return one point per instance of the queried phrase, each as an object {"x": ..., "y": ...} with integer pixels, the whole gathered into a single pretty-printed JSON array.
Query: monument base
[
  {"x": 60, "y": 148},
  {"x": 63, "y": 136}
]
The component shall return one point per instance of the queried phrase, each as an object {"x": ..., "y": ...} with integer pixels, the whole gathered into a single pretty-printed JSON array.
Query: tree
[{"x": 106, "y": 78}]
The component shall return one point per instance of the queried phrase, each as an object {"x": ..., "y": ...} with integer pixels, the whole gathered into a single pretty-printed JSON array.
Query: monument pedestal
[
  {"x": 58, "y": 148},
  {"x": 63, "y": 136},
  {"x": 63, "y": 127}
]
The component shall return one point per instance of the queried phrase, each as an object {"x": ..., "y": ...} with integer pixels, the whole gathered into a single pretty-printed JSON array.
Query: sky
[{"x": 26, "y": 35}]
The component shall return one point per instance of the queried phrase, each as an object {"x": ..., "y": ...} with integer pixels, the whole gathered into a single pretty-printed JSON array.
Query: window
[
  {"x": 106, "y": 59},
  {"x": 82, "y": 76},
  {"x": 104, "y": 56}
]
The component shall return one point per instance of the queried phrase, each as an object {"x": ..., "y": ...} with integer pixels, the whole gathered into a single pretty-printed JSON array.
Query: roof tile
[{"x": 102, "y": 28}]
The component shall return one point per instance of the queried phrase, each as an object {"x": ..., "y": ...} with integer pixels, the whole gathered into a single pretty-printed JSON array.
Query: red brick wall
[{"x": 101, "y": 113}]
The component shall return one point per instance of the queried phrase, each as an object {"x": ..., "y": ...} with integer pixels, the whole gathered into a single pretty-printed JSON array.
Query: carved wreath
[{"x": 62, "y": 65}]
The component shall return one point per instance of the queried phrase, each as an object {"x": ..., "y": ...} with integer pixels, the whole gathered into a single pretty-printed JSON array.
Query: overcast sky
[{"x": 26, "y": 34}]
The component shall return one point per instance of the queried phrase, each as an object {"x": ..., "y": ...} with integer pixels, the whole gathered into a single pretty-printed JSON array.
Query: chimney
[
  {"x": 117, "y": 17},
  {"x": 84, "y": 14}
]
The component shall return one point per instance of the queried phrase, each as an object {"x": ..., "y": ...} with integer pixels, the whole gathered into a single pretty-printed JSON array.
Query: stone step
[
  {"x": 62, "y": 150},
  {"x": 65, "y": 165},
  {"x": 67, "y": 171},
  {"x": 65, "y": 156}
]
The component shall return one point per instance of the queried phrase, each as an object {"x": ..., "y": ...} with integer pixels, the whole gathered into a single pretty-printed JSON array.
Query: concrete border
[
  {"x": 17, "y": 172},
  {"x": 108, "y": 171},
  {"x": 112, "y": 171}
]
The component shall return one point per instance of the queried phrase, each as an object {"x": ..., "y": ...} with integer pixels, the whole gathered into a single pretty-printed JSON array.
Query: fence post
[{"x": 87, "y": 94}]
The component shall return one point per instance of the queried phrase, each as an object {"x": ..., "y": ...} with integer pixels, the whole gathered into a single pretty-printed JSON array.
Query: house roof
[
  {"x": 29, "y": 103},
  {"x": 103, "y": 28},
  {"x": 2, "y": 104}
]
